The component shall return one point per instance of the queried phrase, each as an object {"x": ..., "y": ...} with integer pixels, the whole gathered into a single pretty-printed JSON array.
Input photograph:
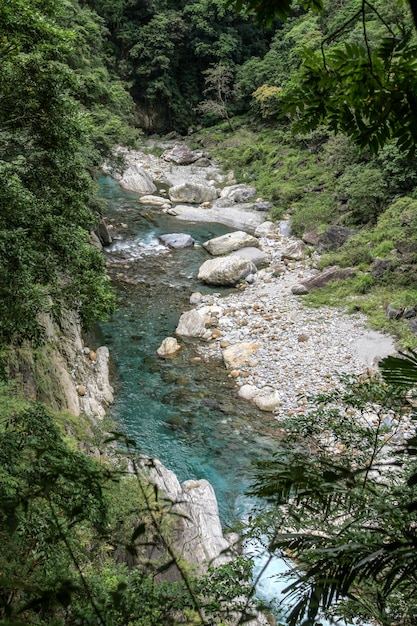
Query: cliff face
[{"x": 64, "y": 372}]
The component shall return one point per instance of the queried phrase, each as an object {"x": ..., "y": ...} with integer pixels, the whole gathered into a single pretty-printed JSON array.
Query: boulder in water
[
  {"x": 191, "y": 324},
  {"x": 135, "y": 178},
  {"x": 169, "y": 348},
  {"x": 258, "y": 257},
  {"x": 177, "y": 240}
]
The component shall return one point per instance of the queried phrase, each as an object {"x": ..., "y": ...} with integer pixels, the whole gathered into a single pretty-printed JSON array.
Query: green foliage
[
  {"x": 339, "y": 496},
  {"x": 77, "y": 536}
]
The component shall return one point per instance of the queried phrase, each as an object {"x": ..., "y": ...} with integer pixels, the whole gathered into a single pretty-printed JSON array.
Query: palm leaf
[{"x": 400, "y": 371}]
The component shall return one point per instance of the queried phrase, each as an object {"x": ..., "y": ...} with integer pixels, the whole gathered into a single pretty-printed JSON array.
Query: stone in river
[
  {"x": 169, "y": 348},
  {"x": 135, "y": 178},
  {"x": 225, "y": 271},
  {"x": 191, "y": 324},
  {"x": 177, "y": 240}
]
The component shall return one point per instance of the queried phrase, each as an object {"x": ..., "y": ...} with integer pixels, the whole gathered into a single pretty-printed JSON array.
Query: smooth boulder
[
  {"x": 193, "y": 193},
  {"x": 238, "y": 193},
  {"x": 226, "y": 271},
  {"x": 230, "y": 242},
  {"x": 258, "y": 257},
  {"x": 169, "y": 348},
  {"x": 135, "y": 178},
  {"x": 177, "y": 240},
  {"x": 191, "y": 324}
]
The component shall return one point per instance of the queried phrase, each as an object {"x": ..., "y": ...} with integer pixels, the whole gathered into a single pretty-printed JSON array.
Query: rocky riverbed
[{"x": 277, "y": 349}]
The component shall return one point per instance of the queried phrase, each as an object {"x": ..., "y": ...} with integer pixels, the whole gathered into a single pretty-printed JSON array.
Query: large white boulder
[
  {"x": 194, "y": 193},
  {"x": 135, "y": 178},
  {"x": 238, "y": 193},
  {"x": 191, "y": 324},
  {"x": 225, "y": 270},
  {"x": 230, "y": 242}
]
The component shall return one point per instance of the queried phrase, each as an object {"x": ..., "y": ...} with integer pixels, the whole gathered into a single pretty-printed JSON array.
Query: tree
[
  {"x": 220, "y": 92},
  {"x": 341, "y": 497},
  {"x": 364, "y": 88}
]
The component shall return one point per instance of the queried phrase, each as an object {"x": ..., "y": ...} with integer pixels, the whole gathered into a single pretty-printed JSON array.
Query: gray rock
[
  {"x": 380, "y": 267},
  {"x": 230, "y": 242},
  {"x": 154, "y": 200},
  {"x": 181, "y": 154},
  {"x": 262, "y": 206},
  {"x": 393, "y": 312},
  {"x": 299, "y": 290},
  {"x": 191, "y": 324},
  {"x": 295, "y": 251},
  {"x": 177, "y": 240},
  {"x": 196, "y": 297},
  {"x": 329, "y": 274},
  {"x": 103, "y": 232},
  {"x": 225, "y": 271},
  {"x": 135, "y": 178},
  {"x": 238, "y": 193},
  {"x": 259, "y": 257},
  {"x": 193, "y": 193},
  {"x": 334, "y": 237},
  {"x": 312, "y": 237},
  {"x": 265, "y": 229}
]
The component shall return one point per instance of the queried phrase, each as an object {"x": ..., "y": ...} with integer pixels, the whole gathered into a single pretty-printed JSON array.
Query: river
[{"x": 183, "y": 411}]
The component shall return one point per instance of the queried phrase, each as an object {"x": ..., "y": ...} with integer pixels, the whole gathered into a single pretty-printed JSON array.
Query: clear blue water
[{"x": 186, "y": 414}]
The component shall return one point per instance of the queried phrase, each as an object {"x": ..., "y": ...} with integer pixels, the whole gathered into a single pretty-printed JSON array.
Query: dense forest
[{"x": 317, "y": 107}]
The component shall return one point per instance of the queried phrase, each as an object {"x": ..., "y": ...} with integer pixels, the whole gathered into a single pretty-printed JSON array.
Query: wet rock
[
  {"x": 230, "y": 242},
  {"x": 333, "y": 238},
  {"x": 196, "y": 297},
  {"x": 103, "y": 233},
  {"x": 225, "y": 270},
  {"x": 154, "y": 200},
  {"x": 169, "y": 348},
  {"x": 194, "y": 193},
  {"x": 177, "y": 240},
  {"x": 135, "y": 178}
]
